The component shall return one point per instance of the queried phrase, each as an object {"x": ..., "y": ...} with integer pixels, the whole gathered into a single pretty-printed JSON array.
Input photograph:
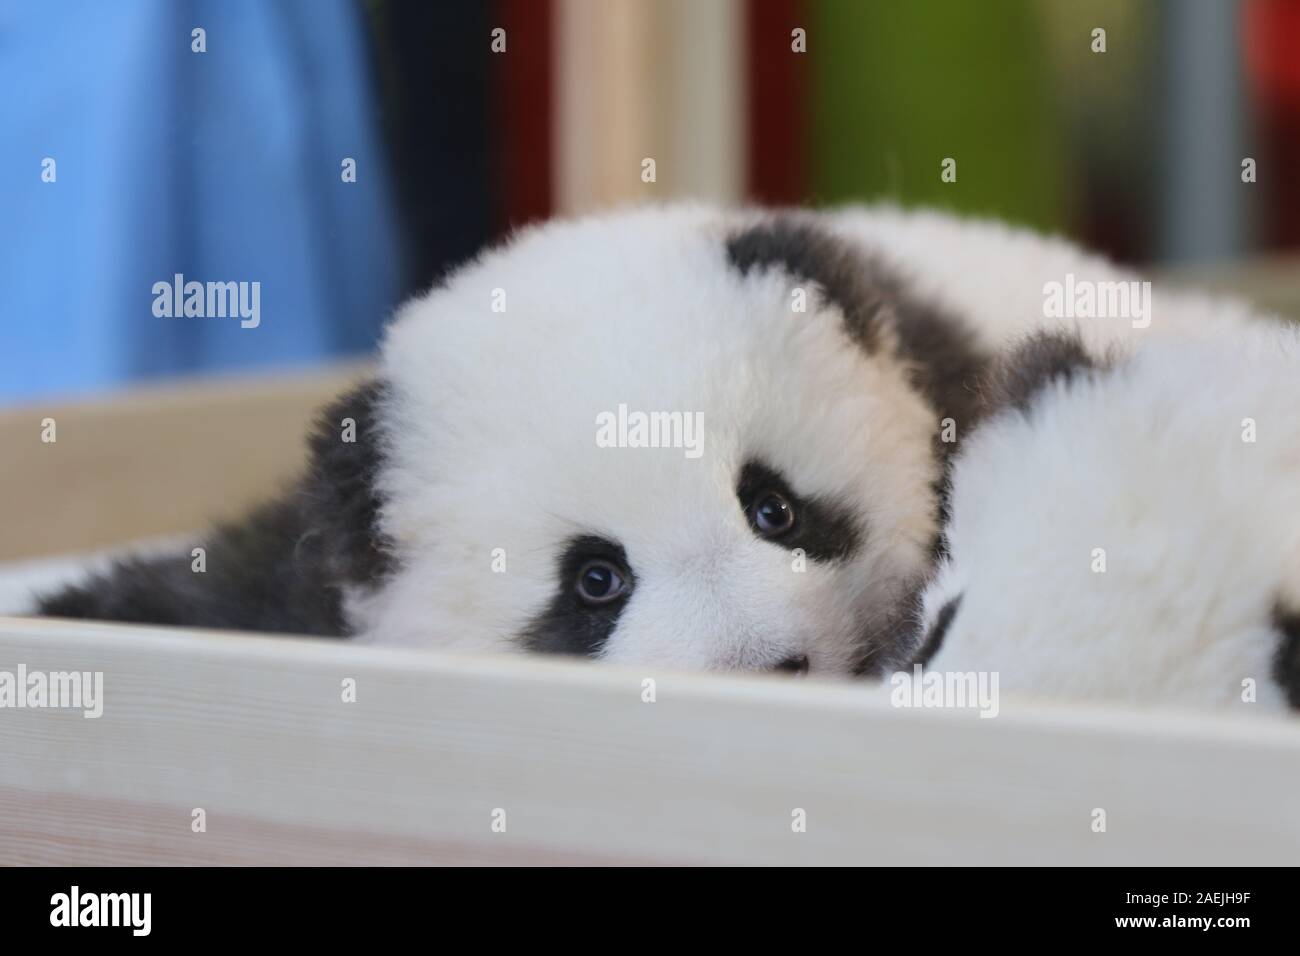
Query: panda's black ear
[
  {"x": 1286, "y": 658},
  {"x": 1040, "y": 360},
  {"x": 338, "y": 498}
]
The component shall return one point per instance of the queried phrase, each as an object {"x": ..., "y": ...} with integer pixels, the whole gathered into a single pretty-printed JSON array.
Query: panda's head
[
  {"x": 780, "y": 524},
  {"x": 1129, "y": 529}
]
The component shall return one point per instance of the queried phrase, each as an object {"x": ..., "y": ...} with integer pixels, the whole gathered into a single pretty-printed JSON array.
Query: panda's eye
[
  {"x": 771, "y": 515},
  {"x": 600, "y": 582}
]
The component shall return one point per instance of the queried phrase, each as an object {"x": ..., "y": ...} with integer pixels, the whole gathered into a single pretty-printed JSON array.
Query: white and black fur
[
  {"x": 476, "y": 438},
  {"x": 1141, "y": 455}
]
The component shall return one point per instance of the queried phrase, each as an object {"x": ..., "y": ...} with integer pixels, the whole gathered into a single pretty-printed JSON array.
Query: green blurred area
[{"x": 900, "y": 85}]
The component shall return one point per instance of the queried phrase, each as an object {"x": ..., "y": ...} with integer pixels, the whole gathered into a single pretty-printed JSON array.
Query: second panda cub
[{"x": 1130, "y": 529}]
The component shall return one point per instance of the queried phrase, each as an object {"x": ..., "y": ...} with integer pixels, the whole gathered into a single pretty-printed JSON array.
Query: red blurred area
[
  {"x": 1271, "y": 33},
  {"x": 777, "y": 87},
  {"x": 523, "y": 104}
]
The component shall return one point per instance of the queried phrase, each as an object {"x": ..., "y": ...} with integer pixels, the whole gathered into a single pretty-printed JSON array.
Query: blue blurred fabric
[{"x": 222, "y": 166}]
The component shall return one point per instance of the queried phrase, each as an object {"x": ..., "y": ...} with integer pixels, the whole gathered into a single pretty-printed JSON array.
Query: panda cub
[
  {"x": 675, "y": 436},
  {"x": 1130, "y": 529}
]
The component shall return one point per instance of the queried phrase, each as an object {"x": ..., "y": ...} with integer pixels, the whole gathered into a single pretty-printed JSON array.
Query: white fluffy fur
[
  {"x": 1201, "y": 530},
  {"x": 993, "y": 275}
]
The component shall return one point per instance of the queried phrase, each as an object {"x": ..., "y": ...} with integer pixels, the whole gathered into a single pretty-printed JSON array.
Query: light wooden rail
[{"x": 255, "y": 732}]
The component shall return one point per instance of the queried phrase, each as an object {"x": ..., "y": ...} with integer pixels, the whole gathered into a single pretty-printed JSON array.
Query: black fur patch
[
  {"x": 946, "y": 363},
  {"x": 281, "y": 568},
  {"x": 1286, "y": 659},
  {"x": 569, "y": 625},
  {"x": 938, "y": 631},
  {"x": 1042, "y": 359},
  {"x": 824, "y": 530},
  {"x": 338, "y": 497},
  {"x": 808, "y": 254}
]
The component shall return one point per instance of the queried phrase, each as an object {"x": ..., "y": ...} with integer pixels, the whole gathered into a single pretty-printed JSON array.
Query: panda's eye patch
[
  {"x": 824, "y": 529},
  {"x": 601, "y": 581},
  {"x": 594, "y": 581}
]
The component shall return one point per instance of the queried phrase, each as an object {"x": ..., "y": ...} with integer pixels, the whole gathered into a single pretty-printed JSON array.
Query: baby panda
[
  {"x": 1129, "y": 529},
  {"x": 673, "y": 436}
]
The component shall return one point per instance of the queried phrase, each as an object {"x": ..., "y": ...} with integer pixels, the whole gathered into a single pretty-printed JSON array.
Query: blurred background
[{"x": 212, "y": 138}]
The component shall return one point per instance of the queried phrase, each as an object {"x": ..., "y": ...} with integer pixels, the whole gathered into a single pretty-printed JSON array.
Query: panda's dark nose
[{"x": 793, "y": 665}]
